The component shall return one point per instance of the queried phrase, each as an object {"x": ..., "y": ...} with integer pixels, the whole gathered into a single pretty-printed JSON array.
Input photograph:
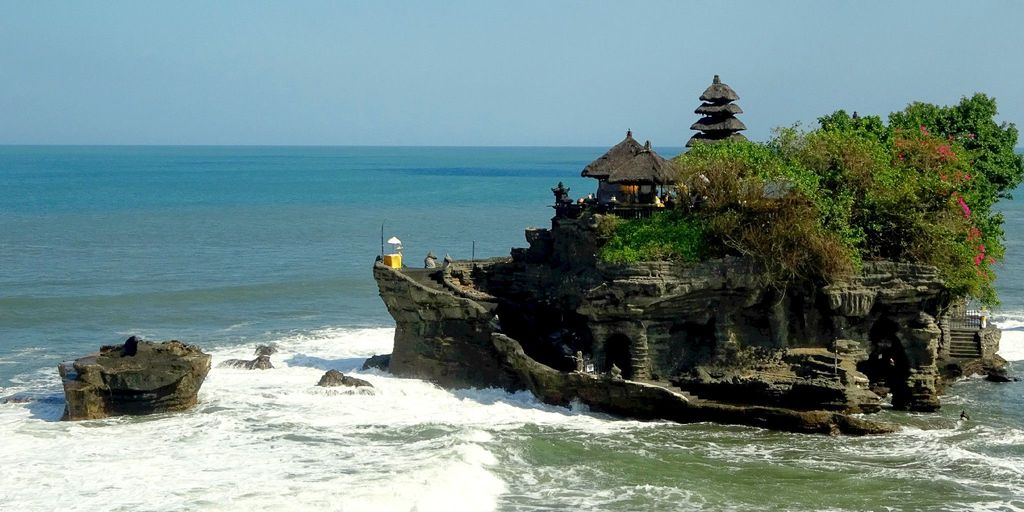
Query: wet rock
[
  {"x": 262, "y": 361},
  {"x": 159, "y": 377},
  {"x": 999, "y": 374},
  {"x": 380, "y": 362},
  {"x": 651, "y": 401},
  {"x": 335, "y": 378}
]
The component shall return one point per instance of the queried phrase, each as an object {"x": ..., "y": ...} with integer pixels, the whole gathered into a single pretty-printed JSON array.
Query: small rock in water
[
  {"x": 335, "y": 378},
  {"x": 1000, "y": 376},
  {"x": 381, "y": 362},
  {"x": 262, "y": 361}
]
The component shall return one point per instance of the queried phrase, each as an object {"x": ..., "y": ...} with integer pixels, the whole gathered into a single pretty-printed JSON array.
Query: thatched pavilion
[
  {"x": 630, "y": 173},
  {"x": 719, "y": 121}
]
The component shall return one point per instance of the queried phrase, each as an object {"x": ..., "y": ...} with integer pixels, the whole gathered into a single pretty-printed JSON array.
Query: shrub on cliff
[{"x": 669, "y": 235}]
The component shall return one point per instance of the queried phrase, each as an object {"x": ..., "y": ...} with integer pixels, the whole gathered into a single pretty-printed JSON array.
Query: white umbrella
[{"x": 394, "y": 241}]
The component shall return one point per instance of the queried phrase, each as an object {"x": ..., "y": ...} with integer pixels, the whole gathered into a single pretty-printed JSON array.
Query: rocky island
[
  {"x": 136, "y": 378},
  {"x": 752, "y": 303}
]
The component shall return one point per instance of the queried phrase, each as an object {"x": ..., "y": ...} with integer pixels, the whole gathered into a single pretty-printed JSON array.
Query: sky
[{"x": 456, "y": 73}]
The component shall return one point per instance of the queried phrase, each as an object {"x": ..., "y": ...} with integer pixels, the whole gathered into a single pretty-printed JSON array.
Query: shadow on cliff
[{"x": 342, "y": 365}]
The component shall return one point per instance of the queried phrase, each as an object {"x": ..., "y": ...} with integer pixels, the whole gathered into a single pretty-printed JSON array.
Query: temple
[
  {"x": 719, "y": 121},
  {"x": 714, "y": 340},
  {"x": 632, "y": 182}
]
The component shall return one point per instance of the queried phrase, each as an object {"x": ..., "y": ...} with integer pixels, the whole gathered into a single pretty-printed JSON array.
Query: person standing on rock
[{"x": 131, "y": 346}]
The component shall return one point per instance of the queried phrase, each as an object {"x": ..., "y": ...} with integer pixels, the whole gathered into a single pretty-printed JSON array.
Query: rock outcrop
[
  {"x": 160, "y": 377},
  {"x": 334, "y": 378},
  {"x": 650, "y": 401},
  {"x": 719, "y": 329}
]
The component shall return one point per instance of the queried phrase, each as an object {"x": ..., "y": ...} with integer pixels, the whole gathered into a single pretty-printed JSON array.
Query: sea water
[{"x": 229, "y": 247}]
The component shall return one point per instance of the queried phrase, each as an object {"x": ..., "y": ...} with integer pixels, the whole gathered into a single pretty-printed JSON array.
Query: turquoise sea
[{"x": 227, "y": 247}]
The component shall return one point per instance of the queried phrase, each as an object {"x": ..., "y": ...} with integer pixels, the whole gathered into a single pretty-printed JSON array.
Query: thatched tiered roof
[
  {"x": 619, "y": 154},
  {"x": 630, "y": 163},
  {"x": 718, "y": 92},
  {"x": 719, "y": 122}
]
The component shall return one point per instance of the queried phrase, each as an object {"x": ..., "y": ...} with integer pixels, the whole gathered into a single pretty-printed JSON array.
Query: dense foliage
[{"x": 812, "y": 205}]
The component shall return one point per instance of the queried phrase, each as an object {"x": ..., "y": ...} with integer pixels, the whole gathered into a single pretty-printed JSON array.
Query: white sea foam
[
  {"x": 1011, "y": 345},
  {"x": 273, "y": 440}
]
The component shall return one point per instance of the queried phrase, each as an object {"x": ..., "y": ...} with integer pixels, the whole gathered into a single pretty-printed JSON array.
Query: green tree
[{"x": 990, "y": 145}]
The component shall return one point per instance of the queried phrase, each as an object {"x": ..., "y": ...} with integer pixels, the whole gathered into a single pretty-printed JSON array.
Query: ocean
[{"x": 230, "y": 247}]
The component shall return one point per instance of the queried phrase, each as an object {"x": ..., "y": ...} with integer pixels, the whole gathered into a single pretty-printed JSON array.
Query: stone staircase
[{"x": 964, "y": 344}]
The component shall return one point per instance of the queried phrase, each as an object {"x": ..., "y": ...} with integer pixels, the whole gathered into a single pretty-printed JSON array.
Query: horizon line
[{"x": 307, "y": 145}]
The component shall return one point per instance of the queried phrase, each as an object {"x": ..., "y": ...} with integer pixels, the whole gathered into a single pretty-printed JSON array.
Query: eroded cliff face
[
  {"x": 439, "y": 336},
  {"x": 717, "y": 329}
]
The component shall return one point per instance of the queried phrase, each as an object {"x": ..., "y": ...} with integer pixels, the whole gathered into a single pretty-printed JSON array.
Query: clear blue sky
[{"x": 481, "y": 73}]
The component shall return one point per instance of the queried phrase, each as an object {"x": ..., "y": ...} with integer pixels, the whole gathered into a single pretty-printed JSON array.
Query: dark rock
[
  {"x": 647, "y": 401},
  {"x": 262, "y": 361},
  {"x": 160, "y": 377},
  {"x": 1000, "y": 375},
  {"x": 335, "y": 378},
  {"x": 379, "y": 362}
]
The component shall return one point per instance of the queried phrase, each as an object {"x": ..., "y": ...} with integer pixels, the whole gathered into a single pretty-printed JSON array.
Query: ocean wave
[
  {"x": 1011, "y": 345},
  {"x": 271, "y": 439}
]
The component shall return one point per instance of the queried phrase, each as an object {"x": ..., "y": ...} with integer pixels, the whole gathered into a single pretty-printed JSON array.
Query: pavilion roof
[
  {"x": 613, "y": 158},
  {"x": 645, "y": 167}
]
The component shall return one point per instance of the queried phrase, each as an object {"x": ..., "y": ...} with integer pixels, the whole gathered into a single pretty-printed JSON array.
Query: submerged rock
[
  {"x": 262, "y": 361},
  {"x": 335, "y": 378},
  {"x": 159, "y": 377},
  {"x": 380, "y": 362}
]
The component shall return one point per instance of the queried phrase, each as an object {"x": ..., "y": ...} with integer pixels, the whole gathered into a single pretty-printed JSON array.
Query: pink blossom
[
  {"x": 924, "y": 131},
  {"x": 970, "y": 135},
  {"x": 963, "y": 206}
]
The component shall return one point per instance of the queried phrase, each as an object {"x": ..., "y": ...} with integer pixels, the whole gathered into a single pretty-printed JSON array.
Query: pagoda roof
[
  {"x": 712, "y": 138},
  {"x": 718, "y": 92},
  {"x": 718, "y": 124},
  {"x": 645, "y": 167},
  {"x": 613, "y": 158},
  {"x": 711, "y": 108}
]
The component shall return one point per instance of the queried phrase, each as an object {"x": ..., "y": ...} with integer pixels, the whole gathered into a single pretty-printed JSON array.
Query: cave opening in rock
[
  {"x": 887, "y": 366},
  {"x": 617, "y": 352}
]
